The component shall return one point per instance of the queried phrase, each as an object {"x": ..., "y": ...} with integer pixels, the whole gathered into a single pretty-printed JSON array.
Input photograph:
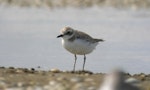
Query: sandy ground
[
  {"x": 133, "y": 4},
  {"x": 31, "y": 79}
]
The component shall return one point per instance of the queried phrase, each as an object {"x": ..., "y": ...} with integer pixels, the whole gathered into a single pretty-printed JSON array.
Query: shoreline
[
  {"x": 131, "y": 4},
  {"x": 22, "y": 78}
]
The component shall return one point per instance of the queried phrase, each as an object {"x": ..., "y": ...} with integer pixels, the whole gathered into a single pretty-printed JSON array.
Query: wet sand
[{"x": 30, "y": 79}]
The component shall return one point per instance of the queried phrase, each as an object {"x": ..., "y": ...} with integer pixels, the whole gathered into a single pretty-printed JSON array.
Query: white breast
[{"x": 79, "y": 46}]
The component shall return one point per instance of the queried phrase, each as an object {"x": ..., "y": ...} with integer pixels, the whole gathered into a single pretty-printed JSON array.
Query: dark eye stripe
[{"x": 69, "y": 33}]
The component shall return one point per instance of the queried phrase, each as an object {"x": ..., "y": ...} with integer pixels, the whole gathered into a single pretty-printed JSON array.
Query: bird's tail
[{"x": 99, "y": 40}]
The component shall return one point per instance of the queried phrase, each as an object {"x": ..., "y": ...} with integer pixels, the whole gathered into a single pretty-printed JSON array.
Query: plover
[
  {"x": 116, "y": 81},
  {"x": 78, "y": 43}
]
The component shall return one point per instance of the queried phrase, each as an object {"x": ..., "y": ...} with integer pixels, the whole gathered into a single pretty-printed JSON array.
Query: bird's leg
[
  {"x": 84, "y": 62},
  {"x": 74, "y": 63}
]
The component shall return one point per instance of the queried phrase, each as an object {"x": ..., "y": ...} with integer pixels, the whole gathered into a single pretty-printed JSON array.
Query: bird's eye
[{"x": 68, "y": 33}]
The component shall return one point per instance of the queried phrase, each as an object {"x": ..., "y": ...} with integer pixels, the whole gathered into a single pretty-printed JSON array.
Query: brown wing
[{"x": 86, "y": 37}]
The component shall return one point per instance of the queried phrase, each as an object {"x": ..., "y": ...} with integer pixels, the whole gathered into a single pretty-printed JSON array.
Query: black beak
[{"x": 60, "y": 36}]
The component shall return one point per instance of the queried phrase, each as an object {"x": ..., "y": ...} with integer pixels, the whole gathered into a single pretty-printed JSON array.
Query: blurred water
[{"x": 28, "y": 38}]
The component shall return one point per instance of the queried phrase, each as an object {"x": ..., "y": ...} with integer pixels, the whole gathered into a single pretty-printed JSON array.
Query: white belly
[{"x": 79, "y": 47}]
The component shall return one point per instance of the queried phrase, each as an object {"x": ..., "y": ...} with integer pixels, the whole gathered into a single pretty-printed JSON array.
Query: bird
[
  {"x": 116, "y": 81},
  {"x": 78, "y": 43}
]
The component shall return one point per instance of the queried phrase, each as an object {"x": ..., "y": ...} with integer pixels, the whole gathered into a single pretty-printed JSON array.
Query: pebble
[
  {"x": 61, "y": 78},
  {"x": 76, "y": 79},
  {"x": 29, "y": 88},
  {"x": 87, "y": 74},
  {"x": 37, "y": 88},
  {"x": 52, "y": 83},
  {"x": 32, "y": 69},
  {"x": 92, "y": 88},
  {"x": 79, "y": 86},
  {"x": 55, "y": 70},
  {"x": 46, "y": 87},
  {"x": 19, "y": 71},
  {"x": 60, "y": 86},
  {"x": 20, "y": 84},
  {"x": 32, "y": 83},
  {"x": 89, "y": 80},
  {"x": 132, "y": 81},
  {"x": 142, "y": 75}
]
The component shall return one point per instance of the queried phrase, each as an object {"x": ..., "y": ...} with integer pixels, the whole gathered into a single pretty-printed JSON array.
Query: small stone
[
  {"x": 55, "y": 70},
  {"x": 92, "y": 88},
  {"x": 60, "y": 86},
  {"x": 25, "y": 70},
  {"x": 89, "y": 80},
  {"x": 37, "y": 88},
  {"x": 79, "y": 86},
  {"x": 29, "y": 88},
  {"x": 46, "y": 87},
  {"x": 76, "y": 79},
  {"x": 133, "y": 81},
  {"x": 11, "y": 68},
  {"x": 19, "y": 71},
  {"x": 87, "y": 74},
  {"x": 61, "y": 78},
  {"x": 52, "y": 83},
  {"x": 32, "y": 69},
  {"x": 20, "y": 84},
  {"x": 143, "y": 75}
]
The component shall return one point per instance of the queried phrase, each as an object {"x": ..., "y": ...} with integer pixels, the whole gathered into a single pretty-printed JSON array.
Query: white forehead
[{"x": 66, "y": 29}]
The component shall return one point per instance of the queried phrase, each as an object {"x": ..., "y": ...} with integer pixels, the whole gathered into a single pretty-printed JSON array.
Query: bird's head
[{"x": 66, "y": 33}]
